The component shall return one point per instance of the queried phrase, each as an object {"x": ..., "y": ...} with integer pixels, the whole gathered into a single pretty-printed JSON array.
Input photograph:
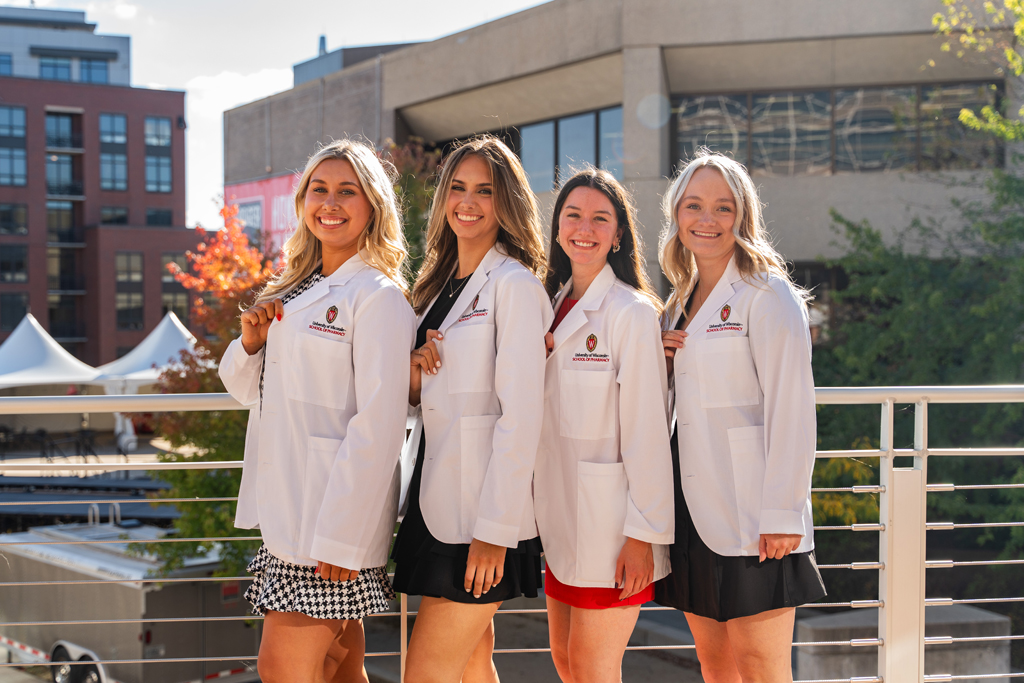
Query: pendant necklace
[{"x": 456, "y": 290}]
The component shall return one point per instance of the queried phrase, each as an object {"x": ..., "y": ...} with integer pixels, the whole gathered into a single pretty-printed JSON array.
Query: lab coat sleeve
[
  {"x": 523, "y": 315},
  {"x": 643, "y": 427},
  {"x": 366, "y": 460},
  {"x": 240, "y": 373},
  {"x": 780, "y": 343}
]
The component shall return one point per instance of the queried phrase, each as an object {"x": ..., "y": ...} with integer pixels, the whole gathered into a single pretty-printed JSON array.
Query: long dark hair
[{"x": 627, "y": 263}]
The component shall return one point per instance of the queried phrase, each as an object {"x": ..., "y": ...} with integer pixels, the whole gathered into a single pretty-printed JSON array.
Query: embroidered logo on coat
[
  {"x": 476, "y": 300},
  {"x": 591, "y": 342},
  {"x": 332, "y": 313},
  {"x": 726, "y": 310}
]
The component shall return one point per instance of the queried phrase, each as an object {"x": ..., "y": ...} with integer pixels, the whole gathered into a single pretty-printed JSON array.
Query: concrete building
[
  {"x": 92, "y": 186},
  {"x": 845, "y": 105}
]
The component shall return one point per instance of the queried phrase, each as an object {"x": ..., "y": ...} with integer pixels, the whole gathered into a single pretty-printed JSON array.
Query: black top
[{"x": 442, "y": 306}]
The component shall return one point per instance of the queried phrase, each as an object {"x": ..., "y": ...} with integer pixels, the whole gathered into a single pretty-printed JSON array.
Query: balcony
[
  {"x": 66, "y": 237},
  {"x": 65, "y": 283},
  {"x": 67, "y": 331},
  {"x": 64, "y": 141},
  {"x": 898, "y": 610},
  {"x": 71, "y": 188}
]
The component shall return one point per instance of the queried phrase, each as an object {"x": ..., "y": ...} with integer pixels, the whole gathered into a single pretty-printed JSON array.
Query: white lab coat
[
  {"x": 321, "y": 476},
  {"x": 744, "y": 408},
  {"x": 604, "y": 467},
  {"x": 481, "y": 412}
]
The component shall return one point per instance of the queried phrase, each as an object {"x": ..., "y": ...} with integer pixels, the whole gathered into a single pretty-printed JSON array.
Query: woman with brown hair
[
  {"x": 468, "y": 539},
  {"x": 603, "y": 487}
]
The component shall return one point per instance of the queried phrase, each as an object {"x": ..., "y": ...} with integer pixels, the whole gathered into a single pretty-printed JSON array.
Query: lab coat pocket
[
  {"x": 600, "y": 518},
  {"x": 746, "y": 448},
  {"x": 587, "y": 404},
  {"x": 320, "y": 371},
  {"x": 726, "y": 371},
  {"x": 321, "y": 454},
  {"x": 477, "y": 432},
  {"x": 467, "y": 354}
]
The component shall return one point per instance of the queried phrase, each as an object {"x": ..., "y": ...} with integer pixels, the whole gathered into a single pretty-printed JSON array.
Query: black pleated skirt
[
  {"x": 426, "y": 566},
  {"x": 718, "y": 587}
]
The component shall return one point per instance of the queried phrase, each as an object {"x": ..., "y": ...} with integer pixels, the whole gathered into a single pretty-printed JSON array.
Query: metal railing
[{"x": 902, "y": 526}]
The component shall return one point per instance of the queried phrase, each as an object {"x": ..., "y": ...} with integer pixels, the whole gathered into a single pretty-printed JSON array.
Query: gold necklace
[{"x": 455, "y": 290}]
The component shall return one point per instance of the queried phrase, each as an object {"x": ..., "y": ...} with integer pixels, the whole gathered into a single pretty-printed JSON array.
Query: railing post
[{"x": 902, "y": 553}]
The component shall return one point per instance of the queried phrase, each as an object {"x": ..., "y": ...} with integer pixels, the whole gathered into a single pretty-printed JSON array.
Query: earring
[{"x": 615, "y": 249}]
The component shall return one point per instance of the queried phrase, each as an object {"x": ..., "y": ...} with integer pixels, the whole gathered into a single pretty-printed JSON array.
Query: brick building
[{"x": 92, "y": 186}]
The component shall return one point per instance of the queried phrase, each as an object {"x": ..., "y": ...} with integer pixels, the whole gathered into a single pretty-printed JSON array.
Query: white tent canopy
[
  {"x": 143, "y": 364},
  {"x": 30, "y": 357}
]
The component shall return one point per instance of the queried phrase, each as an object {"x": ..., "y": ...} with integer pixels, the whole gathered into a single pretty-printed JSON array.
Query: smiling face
[
  {"x": 336, "y": 209},
  {"x": 587, "y": 228},
  {"x": 470, "y": 205},
  {"x": 706, "y": 216}
]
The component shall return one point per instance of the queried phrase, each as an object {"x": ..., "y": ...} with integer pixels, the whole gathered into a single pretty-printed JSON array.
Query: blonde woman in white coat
[
  {"x": 321, "y": 361},
  {"x": 739, "y": 346},
  {"x": 468, "y": 540},
  {"x": 602, "y": 488}
]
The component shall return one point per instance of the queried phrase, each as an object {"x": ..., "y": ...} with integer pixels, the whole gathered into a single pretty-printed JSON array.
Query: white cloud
[
  {"x": 206, "y": 100},
  {"x": 125, "y": 10}
]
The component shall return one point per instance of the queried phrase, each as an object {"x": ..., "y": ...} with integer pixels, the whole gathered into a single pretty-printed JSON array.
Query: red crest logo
[
  {"x": 726, "y": 310},
  {"x": 476, "y": 300},
  {"x": 591, "y": 342},
  {"x": 332, "y": 314}
]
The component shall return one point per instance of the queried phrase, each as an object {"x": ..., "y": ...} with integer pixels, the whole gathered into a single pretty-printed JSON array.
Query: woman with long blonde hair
[
  {"x": 738, "y": 344},
  {"x": 321, "y": 363},
  {"x": 468, "y": 540}
]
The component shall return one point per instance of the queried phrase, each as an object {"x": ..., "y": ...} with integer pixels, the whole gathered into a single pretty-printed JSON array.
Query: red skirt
[{"x": 592, "y": 598}]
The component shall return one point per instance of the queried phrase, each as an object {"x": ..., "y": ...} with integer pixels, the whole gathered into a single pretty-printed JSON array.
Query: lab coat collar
[
  {"x": 591, "y": 301},
  {"x": 721, "y": 294},
  {"x": 492, "y": 259},
  {"x": 340, "y": 277}
]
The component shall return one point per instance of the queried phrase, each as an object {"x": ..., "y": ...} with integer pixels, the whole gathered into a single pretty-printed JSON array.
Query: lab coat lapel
[
  {"x": 591, "y": 301},
  {"x": 719, "y": 296},
  {"x": 492, "y": 259},
  {"x": 320, "y": 289}
]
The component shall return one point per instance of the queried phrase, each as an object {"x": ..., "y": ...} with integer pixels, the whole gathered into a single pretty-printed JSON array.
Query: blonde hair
[
  {"x": 754, "y": 253},
  {"x": 515, "y": 207},
  {"x": 383, "y": 239}
]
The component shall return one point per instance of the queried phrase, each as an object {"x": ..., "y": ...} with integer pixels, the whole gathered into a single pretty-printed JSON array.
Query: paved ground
[{"x": 10, "y": 674}]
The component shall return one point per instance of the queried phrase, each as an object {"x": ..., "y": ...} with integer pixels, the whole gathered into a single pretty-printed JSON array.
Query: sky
[{"x": 224, "y": 53}]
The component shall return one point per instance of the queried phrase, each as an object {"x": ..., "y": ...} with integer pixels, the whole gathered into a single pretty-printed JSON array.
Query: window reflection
[
  {"x": 715, "y": 121},
  {"x": 876, "y": 129},
  {"x": 791, "y": 133},
  {"x": 610, "y": 141},
  {"x": 945, "y": 142},
  {"x": 537, "y": 152},
  {"x": 577, "y": 137}
]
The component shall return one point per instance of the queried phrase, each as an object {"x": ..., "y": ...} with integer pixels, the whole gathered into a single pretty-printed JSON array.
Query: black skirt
[
  {"x": 426, "y": 566},
  {"x": 721, "y": 587}
]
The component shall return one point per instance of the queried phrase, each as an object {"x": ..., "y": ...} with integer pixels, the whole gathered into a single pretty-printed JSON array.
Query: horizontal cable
[
  {"x": 212, "y": 579},
  {"x": 98, "y": 403},
  {"x": 850, "y": 454},
  {"x": 218, "y": 539},
  {"x": 946, "y": 602},
  {"x": 851, "y": 489},
  {"x": 168, "y": 660},
  {"x": 854, "y": 565},
  {"x": 855, "y": 679},
  {"x": 948, "y": 526},
  {"x": 1006, "y": 393},
  {"x": 122, "y": 501},
  {"x": 938, "y": 678},
  {"x": 120, "y": 466},
  {"x": 978, "y": 452},
  {"x": 946, "y": 564},
  {"x": 852, "y": 527},
  {"x": 949, "y": 640},
  {"x": 971, "y": 487}
]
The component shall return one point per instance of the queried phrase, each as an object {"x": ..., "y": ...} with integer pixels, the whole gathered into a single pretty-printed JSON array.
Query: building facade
[
  {"x": 92, "y": 187},
  {"x": 844, "y": 105}
]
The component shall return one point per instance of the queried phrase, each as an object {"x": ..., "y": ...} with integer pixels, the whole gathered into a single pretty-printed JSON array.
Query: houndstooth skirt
[{"x": 284, "y": 587}]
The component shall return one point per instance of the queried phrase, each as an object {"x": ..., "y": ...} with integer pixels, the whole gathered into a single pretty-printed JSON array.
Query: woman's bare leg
[
  {"x": 445, "y": 637},
  {"x": 344, "y": 663},
  {"x": 559, "y": 617},
  {"x": 717, "y": 664},
  {"x": 597, "y": 641},
  {"x": 294, "y": 647},
  {"x": 756, "y": 649}
]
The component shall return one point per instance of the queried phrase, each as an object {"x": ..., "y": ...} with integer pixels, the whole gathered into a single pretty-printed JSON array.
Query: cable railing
[{"x": 901, "y": 565}]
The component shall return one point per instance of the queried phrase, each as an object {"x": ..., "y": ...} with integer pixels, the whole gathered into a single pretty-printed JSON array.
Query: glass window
[
  {"x": 158, "y": 132},
  {"x": 93, "y": 71},
  {"x": 55, "y": 68},
  {"x": 577, "y": 137},
  {"x": 537, "y": 152},
  {"x": 128, "y": 266},
  {"x": 13, "y": 219},
  {"x": 791, "y": 133},
  {"x": 58, "y": 131},
  {"x": 62, "y": 270},
  {"x": 719, "y": 122},
  {"x": 129, "y": 310},
  {"x": 166, "y": 276},
  {"x": 13, "y": 308},
  {"x": 113, "y": 172},
  {"x": 12, "y": 122},
  {"x": 113, "y": 128},
  {"x": 60, "y": 222},
  {"x": 12, "y": 166},
  {"x": 59, "y": 175},
  {"x": 159, "y": 217},
  {"x": 609, "y": 153},
  {"x": 876, "y": 129},
  {"x": 13, "y": 263},
  {"x": 945, "y": 142},
  {"x": 114, "y": 215},
  {"x": 5, "y": 64},
  {"x": 158, "y": 174},
  {"x": 175, "y": 302}
]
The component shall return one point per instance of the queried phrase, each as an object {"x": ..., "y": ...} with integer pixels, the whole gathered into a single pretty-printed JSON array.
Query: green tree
[{"x": 416, "y": 166}]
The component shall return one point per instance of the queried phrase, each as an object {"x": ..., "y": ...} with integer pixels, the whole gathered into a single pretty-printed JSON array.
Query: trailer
[{"x": 79, "y": 593}]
